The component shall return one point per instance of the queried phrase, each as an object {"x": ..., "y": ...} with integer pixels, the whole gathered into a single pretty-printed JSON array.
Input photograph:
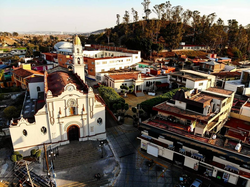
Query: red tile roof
[
  {"x": 126, "y": 76},
  {"x": 58, "y": 80},
  {"x": 25, "y": 73}
]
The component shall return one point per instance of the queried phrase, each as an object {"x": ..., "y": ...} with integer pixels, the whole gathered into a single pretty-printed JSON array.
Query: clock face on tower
[{"x": 70, "y": 88}]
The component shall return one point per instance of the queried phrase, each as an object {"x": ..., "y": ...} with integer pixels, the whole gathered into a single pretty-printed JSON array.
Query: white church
[{"x": 59, "y": 108}]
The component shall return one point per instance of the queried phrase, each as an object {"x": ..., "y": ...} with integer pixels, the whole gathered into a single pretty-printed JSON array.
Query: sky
[{"x": 92, "y": 15}]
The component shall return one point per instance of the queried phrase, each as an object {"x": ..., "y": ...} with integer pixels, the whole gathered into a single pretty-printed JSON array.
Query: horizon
[{"x": 84, "y": 17}]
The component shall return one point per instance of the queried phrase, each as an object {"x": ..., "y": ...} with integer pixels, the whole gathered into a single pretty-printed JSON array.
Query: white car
[{"x": 196, "y": 183}]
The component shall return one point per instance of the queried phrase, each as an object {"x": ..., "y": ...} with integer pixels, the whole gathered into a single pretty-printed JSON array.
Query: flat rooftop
[
  {"x": 173, "y": 110},
  {"x": 220, "y": 91}
]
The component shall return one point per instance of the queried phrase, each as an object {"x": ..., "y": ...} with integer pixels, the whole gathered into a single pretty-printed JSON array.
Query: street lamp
[
  {"x": 101, "y": 145},
  {"x": 52, "y": 156}
]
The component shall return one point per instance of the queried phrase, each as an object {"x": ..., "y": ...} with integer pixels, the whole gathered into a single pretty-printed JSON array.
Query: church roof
[{"x": 57, "y": 80}]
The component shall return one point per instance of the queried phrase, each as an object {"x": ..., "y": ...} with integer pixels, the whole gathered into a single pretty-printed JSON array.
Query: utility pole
[
  {"x": 46, "y": 158},
  {"x": 28, "y": 172}
]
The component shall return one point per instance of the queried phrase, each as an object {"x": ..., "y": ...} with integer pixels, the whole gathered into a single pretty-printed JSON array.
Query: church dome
[
  {"x": 77, "y": 40},
  {"x": 63, "y": 45}
]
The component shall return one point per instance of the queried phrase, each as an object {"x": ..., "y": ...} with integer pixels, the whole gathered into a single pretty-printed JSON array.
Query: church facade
[{"x": 67, "y": 111}]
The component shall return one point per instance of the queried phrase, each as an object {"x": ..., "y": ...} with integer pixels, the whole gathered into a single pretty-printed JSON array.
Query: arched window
[
  {"x": 72, "y": 111},
  {"x": 77, "y": 50},
  {"x": 78, "y": 60},
  {"x": 38, "y": 88}
]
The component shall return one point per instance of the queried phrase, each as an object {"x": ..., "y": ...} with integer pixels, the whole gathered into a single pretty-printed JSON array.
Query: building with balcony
[
  {"x": 191, "y": 79},
  {"x": 186, "y": 132},
  {"x": 59, "y": 109}
]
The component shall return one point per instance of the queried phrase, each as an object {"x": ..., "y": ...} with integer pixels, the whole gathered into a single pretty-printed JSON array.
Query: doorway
[{"x": 73, "y": 133}]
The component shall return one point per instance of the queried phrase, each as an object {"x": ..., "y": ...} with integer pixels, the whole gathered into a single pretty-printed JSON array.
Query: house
[
  {"x": 141, "y": 82},
  {"x": 22, "y": 74},
  {"x": 241, "y": 86},
  {"x": 59, "y": 108},
  {"x": 241, "y": 108},
  {"x": 221, "y": 77},
  {"x": 193, "y": 47},
  {"x": 212, "y": 66},
  {"x": 185, "y": 131},
  {"x": 191, "y": 79}
]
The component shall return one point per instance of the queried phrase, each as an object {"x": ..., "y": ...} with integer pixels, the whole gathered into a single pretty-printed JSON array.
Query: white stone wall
[{"x": 33, "y": 89}]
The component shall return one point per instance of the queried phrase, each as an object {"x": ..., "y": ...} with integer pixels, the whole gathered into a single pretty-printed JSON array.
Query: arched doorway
[{"x": 73, "y": 133}]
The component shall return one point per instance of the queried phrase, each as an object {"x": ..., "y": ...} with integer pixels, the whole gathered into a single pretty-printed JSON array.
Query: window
[
  {"x": 105, "y": 54},
  {"x": 72, "y": 111},
  {"x": 25, "y": 133},
  {"x": 38, "y": 88},
  {"x": 78, "y": 50},
  {"x": 95, "y": 55},
  {"x": 92, "y": 62},
  {"x": 99, "y": 121},
  {"x": 111, "y": 61},
  {"x": 201, "y": 84},
  {"x": 128, "y": 60},
  {"x": 104, "y": 62},
  {"x": 102, "y": 70},
  {"x": 78, "y": 60},
  {"x": 91, "y": 129},
  {"x": 136, "y": 57},
  {"x": 97, "y": 63},
  {"x": 44, "y": 130}
]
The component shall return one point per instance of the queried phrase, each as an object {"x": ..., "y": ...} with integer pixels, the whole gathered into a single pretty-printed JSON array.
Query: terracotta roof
[
  {"x": 227, "y": 74},
  {"x": 25, "y": 73},
  {"x": 126, "y": 76},
  {"x": 221, "y": 91},
  {"x": 58, "y": 80}
]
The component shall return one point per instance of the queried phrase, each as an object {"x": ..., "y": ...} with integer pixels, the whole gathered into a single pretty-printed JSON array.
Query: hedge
[
  {"x": 149, "y": 104},
  {"x": 110, "y": 96}
]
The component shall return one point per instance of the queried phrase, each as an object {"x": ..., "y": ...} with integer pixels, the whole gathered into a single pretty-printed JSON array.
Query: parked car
[{"x": 196, "y": 183}]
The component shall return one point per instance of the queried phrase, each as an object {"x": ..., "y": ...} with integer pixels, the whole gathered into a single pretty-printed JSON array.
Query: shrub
[
  {"x": 38, "y": 153},
  {"x": 33, "y": 152},
  {"x": 19, "y": 157},
  {"x": 13, "y": 158},
  {"x": 110, "y": 96},
  {"x": 16, "y": 153}
]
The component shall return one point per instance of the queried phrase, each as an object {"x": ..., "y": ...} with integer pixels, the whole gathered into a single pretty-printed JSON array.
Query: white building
[
  {"x": 241, "y": 86},
  {"x": 68, "y": 111},
  {"x": 192, "y": 79},
  {"x": 141, "y": 82}
]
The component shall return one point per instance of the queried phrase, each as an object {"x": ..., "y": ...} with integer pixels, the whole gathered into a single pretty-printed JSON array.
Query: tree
[
  {"x": 147, "y": 11},
  {"x": 15, "y": 34},
  {"x": 11, "y": 112},
  {"x": 118, "y": 19},
  {"x": 107, "y": 33}
]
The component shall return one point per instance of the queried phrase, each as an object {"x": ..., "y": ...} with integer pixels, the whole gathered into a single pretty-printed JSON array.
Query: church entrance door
[{"x": 73, "y": 133}]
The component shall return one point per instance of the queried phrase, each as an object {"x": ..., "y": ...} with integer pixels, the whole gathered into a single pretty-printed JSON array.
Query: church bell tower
[{"x": 78, "y": 58}]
